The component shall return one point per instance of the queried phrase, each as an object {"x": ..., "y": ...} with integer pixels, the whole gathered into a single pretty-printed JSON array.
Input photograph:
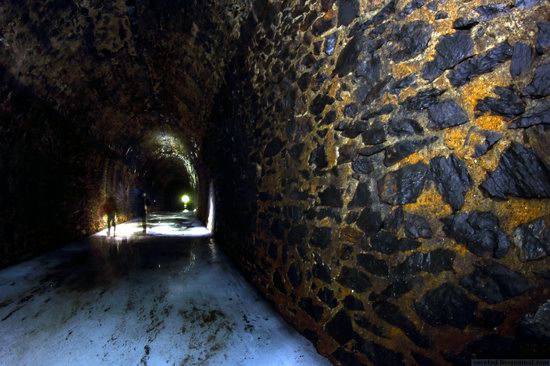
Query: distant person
[
  {"x": 142, "y": 209},
  {"x": 108, "y": 208}
]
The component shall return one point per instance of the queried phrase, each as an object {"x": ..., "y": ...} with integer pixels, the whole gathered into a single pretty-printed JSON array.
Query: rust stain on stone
[{"x": 517, "y": 211}]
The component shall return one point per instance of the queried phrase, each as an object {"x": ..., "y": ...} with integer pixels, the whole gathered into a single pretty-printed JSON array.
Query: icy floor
[{"x": 165, "y": 298}]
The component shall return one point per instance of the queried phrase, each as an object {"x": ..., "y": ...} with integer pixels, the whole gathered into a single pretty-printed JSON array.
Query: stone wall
[
  {"x": 383, "y": 174},
  {"x": 54, "y": 176}
]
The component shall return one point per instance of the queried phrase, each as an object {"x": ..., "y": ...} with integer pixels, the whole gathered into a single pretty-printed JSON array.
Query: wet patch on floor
[{"x": 141, "y": 301}]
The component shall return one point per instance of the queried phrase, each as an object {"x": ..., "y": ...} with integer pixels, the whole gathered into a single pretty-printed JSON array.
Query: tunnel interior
[
  {"x": 165, "y": 171},
  {"x": 379, "y": 170}
]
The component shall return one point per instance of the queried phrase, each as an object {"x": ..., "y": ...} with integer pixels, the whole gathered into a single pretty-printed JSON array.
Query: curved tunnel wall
[
  {"x": 389, "y": 167},
  {"x": 54, "y": 176}
]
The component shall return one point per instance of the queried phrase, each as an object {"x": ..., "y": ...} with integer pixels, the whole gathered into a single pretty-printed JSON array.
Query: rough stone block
[
  {"x": 479, "y": 231},
  {"x": 533, "y": 240},
  {"x": 446, "y": 305},
  {"x": 494, "y": 283}
]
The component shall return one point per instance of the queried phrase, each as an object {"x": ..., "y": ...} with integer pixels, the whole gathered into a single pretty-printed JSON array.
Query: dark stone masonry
[{"x": 380, "y": 169}]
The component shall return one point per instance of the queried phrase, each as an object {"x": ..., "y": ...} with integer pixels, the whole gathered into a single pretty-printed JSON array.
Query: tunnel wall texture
[
  {"x": 388, "y": 180},
  {"x": 53, "y": 176}
]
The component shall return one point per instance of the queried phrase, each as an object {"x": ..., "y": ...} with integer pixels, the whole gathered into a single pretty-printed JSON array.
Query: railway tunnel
[{"x": 378, "y": 170}]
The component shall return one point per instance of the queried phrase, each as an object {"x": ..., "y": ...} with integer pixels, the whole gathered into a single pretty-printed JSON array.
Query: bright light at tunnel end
[{"x": 185, "y": 199}]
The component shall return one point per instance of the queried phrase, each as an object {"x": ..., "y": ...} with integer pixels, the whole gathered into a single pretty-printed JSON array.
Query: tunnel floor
[{"x": 169, "y": 297}]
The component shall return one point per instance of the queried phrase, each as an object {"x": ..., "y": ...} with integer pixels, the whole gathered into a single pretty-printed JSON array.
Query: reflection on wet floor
[
  {"x": 163, "y": 224},
  {"x": 154, "y": 299}
]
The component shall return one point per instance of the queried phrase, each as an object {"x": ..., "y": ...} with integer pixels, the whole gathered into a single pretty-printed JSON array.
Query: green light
[{"x": 185, "y": 199}]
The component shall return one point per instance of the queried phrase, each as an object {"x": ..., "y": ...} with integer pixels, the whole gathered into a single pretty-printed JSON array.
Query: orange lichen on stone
[
  {"x": 482, "y": 87},
  {"x": 454, "y": 139},
  {"x": 423, "y": 14},
  {"x": 473, "y": 140},
  {"x": 489, "y": 161},
  {"x": 334, "y": 87},
  {"x": 443, "y": 26},
  {"x": 372, "y": 5},
  {"x": 330, "y": 148},
  {"x": 407, "y": 92},
  {"x": 416, "y": 157},
  {"x": 344, "y": 291},
  {"x": 518, "y": 211},
  {"x": 429, "y": 204},
  {"x": 474, "y": 200},
  {"x": 490, "y": 122},
  {"x": 389, "y": 98},
  {"x": 401, "y": 70},
  {"x": 442, "y": 83},
  {"x": 346, "y": 96}
]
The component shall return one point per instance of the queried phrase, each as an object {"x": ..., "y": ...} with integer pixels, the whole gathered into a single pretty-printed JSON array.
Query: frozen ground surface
[{"x": 168, "y": 297}]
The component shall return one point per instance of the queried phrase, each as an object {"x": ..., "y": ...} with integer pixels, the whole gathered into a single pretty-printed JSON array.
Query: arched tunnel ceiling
[
  {"x": 119, "y": 69},
  {"x": 162, "y": 155}
]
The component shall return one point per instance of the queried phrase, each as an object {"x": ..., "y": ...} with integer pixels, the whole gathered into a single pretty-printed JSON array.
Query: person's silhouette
[
  {"x": 108, "y": 208},
  {"x": 142, "y": 209}
]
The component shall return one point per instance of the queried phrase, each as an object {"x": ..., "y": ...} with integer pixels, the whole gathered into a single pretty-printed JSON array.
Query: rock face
[
  {"x": 413, "y": 39},
  {"x": 508, "y": 103},
  {"x": 543, "y": 37},
  {"x": 538, "y": 114},
  {"x": 491, "y": 138},
  {"x": 387, "y": 243},
  {"x": 340, "y": 328},
  {"x": 354, "y": 279},
  {"x": 347, "y": 11},
  {"x": 537, "y": 326},
  {"x": 369, "y": 221},
  {"x": 417, "y": 226},
  {"x": 414, "y": 152},
  {"x": 404, "y": 126},
  {"x": 403, "y": 149},
  {"x": 487, "y": 347},
  {"x": 452, "y": 179},
  {"x": 495, "y": 283},
  {"x": 533, "y": 240},
  {"x": 347, "y": 61},
  {"x": 403, "y": 185},
  {"x": 446, "y": 114},
  {"x": 451, "y": 50},
  {"x": 522, "y": 57},
  {"x": 520, "y": 173},
  {"x": 540, "y": 85},
  {"x": 392, "y": 314},
  {"x": 446, "y": 305},
  {"x": 434, "y": 262},
  {"x": 479, "y": 231},
  {"x": 372, "y": 264},
  {"x": 467, "y": 70}
]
